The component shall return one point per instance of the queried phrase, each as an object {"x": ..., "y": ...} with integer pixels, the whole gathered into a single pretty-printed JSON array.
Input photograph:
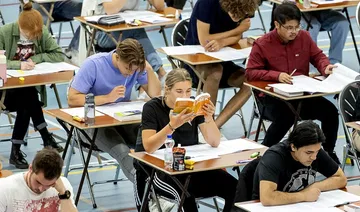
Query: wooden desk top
[
  {"x": 124, "y": 26},
  {"x": 353, "y": 189},
  {"x": 225, "y": 161},
  {"x": 329, "y": 6},
  {"x": 201, "y": 59},
  {"x": 5, "y": 173},
  {"x": 261, "y": 85},
  {"x": 353, "y": 125},
  {"x": 35, "y": 80},
  {"x": 100, "y": 121}
]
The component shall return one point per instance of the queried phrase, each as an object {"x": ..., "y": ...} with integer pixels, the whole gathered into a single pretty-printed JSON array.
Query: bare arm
[
  {"x": 338, "y": 180},
  {"x": 66, "y": 205},
  {"x": 211, "y": 133},
  {"x": 77, "y": 99},
  {"x": 114, "y": 6},
  {"x": 159, "y": 5},
  {"x": 153, "y": 88}
]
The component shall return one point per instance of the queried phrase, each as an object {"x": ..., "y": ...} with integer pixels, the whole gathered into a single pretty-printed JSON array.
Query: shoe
[
  {"x": 17, "y": 158},
  {"x": 52, "y": 143},
  {"x": 334, "y": 157}
]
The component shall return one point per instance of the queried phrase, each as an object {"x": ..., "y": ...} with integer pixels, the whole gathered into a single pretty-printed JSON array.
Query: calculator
[{"x": 111, "y": 20}]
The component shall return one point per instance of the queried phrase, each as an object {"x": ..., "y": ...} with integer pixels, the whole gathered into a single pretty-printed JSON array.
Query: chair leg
[
  {"x": 59, "y": 37},
  {"x": 243, "y": 122},
  {"x": 69, "y": 156},
  {"x": 117, "y": 173},
  {"x": 262, "y": 21},
  {"x": 10, "y": 120},
  {"x": 72, "y": 28},
  {"x": 216, "y": 204},
  {"x": 251, "y": 122},
  {"x": 346, "y": 152}
]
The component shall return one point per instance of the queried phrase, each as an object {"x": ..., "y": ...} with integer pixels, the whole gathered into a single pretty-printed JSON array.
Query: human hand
[
  {"x": 244, "y": 25},
  {"x": 285, "y": 78},
  {"x": 329, "y": 69},
  {"x": 27, "y": 65},
  {"x": 116, "y": 93},
  {"x": 213, "y": 46},
  {"x": 177, "y": 120},
  {"x": 311, "y": 194},
  {"x": 209, "y": 110},
  {"x": 59, "y": 186}
]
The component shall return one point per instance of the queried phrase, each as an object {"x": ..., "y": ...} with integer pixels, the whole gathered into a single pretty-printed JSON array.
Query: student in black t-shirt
[
  {"x": 287, "y": 171},
  {"x": 215, "y": 24},
  {"x": 158, "y": 121}
]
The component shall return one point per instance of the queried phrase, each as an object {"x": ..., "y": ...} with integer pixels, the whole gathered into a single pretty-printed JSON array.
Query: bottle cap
[
  {"x": 169, "y": 136},
  {"x": 89, "y": 98},
  {"x": 179, "y": 145}
]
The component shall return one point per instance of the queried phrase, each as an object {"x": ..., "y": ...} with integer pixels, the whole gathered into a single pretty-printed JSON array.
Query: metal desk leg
[
  {"x": 91, "y": 42},
  {"x": 92, "y": 142},
  {"x": 352, "y": 34},
  {"x": 53, "y": 86},
  {"x": 48, "y": 13},
  {"x": 182, "y": 199},
  {"x": 145, "y": 201},
  {"x": 162, "y": 30}
]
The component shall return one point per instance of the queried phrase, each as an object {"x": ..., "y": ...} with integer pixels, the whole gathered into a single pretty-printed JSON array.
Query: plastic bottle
[
  {"x": 3, "y": 66},
  {"x": 89, "y": 109},
  {"x": 306, "y": 4},
  {"x": 168, "y": 155}
]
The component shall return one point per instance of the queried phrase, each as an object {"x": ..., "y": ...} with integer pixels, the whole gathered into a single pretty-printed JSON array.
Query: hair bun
[{"x": 27, "y": 5}]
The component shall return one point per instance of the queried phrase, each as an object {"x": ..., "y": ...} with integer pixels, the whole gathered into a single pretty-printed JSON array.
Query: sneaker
[
  {"x": 52, "y": 143},
  {"x": 17, "y": 158},
  {"x": 165, "y": 205},
  {"x": 334, "y": 157}
]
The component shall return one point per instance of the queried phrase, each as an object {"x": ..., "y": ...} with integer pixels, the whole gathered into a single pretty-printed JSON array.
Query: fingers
[
  {"x": 209, "y": 109},
  {"x": 212, "y": 46}
]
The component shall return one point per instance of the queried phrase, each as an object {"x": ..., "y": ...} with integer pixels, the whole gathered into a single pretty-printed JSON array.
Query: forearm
[
  {"x": 155, "y": 141},
  {"x": 281, "y": 198},
  {"x": 159, "y": 5},
  {"x": 67, "y": 206},
  {"x": 211, "y": 133},
  {"x": 154, "y": 86},
  {"x": 220, "y": 36},
  {"x": 330, "y": 183},
  {"x": 78, "y": 100},
  {"x": 231, "y": 40},
  {"x": 114, "y": 6}
]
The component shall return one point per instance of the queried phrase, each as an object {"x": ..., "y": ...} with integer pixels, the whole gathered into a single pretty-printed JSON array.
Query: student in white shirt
[{"x": 40, "y": 188}]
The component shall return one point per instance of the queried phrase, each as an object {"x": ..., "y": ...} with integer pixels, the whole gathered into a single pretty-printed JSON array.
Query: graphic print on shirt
[
  {"x": 298, "y": 180},
  {"x": 24, "y": 50},
  {"x": 50, "y": 204}
]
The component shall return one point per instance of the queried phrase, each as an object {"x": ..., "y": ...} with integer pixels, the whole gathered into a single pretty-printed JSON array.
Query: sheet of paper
[
  {"x": 340, "y": 77},
  {"x": 130, "y": 15},
  {"x": 228, "y": 54},
  {"x": 111, "y": 109},
  {"x": 321, "y": 2},
  {"x": 78, "y": 111},
  {"x": 154, "y": 19},
  {"x": 43, "y": 68},
  {"x": 181, "y": 50}
]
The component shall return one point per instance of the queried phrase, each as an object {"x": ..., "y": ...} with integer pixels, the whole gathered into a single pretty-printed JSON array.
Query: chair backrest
[
  {"x": 347, "y": 101},
  {"x": 179, "y": 32},
  {"x": 244, "y": 188},
  {"x": 357, "y": 14}
]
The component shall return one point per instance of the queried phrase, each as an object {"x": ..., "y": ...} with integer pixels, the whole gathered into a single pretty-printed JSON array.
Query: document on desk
[
  {"x": 321, "y": 2},
  {"x": 43, "y": 68},
  {"x": 78, "y": 111},
  {"x": 327, "y": 201},
  {"x": 130, "y": 15},
  {"x": 203, "y": 152},
  {"x": 230, "y": 54},
  {"x": 340, "y": 77},
  {"x": 185, "y": 49},
  {"x": 122, "y": 107}
]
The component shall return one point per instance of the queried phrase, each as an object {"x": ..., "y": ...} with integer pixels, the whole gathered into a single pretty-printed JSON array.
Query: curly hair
[{"x": 240, "y": 9}]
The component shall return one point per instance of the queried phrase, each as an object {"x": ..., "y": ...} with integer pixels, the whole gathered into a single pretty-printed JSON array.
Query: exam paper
[
  {"x": 111, "y": 109},
  {"x": 78, "y": 111},
  {"x": 185, "y": 49},
  {"x": 43, "y": 68},
  {"x": 229, "y": 54}
]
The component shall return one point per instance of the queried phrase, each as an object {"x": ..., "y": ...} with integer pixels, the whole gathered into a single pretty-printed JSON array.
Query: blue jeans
[
  {"x": 104, "y": 41},
  {"x": 65, "y": 11},
  {"x": 336, "y": 23}
]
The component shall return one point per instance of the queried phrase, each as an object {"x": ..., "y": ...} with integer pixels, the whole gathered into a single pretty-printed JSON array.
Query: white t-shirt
[
  {"x": 129, "y": 5},
  {"x": 16, "y": 196}
]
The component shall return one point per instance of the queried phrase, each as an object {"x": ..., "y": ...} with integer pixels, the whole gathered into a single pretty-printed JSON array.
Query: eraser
[{"x": 21, "y": 78}]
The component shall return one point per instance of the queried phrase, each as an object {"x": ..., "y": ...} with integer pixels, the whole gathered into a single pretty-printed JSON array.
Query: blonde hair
[
  {"x": 31, "y": 21},
  {"x": 131, "y": 52},
  {"x": 173, "y": 77}
]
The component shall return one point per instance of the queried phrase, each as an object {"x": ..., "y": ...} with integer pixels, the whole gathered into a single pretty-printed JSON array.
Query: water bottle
[
  {"x": 3, "y": 66},
  {"x": 89, "y": 108},
  {"x": 306, "y": 4},
  {"x": 168, "y": 155}
]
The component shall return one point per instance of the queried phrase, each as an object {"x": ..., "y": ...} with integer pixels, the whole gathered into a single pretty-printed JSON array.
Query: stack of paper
[
  {"x": 321, "y": 2},
  {"x": 122, "y": 107},
  {"x": 43, "y": 68},
  {"x": 78, "y": 111},
  {"x": 202, "y": 152}
]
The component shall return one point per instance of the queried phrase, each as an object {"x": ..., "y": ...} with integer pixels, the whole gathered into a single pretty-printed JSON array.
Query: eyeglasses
[{"x": 292, "y": 29}]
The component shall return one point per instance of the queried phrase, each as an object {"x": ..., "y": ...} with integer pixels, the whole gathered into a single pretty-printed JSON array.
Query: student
[
  {"x": 104, "y": 41},
  {"x": 26, "y": 43},
  {"x": 287, "y": 172},
  {"x": 110, "y": 77},
  {"x": 158, "y": 121},
  {"x": 159, "y": 5},
  {"x": 64, "y": 11},
  {"x": 215, "y": 24},
  {"x": 40, "y": 188},
  {"x": 295, "y": 50}
]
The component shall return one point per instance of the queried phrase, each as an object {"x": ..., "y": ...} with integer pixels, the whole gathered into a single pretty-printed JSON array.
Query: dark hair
[
  {"x": 240, "y": 8},
  {"x": 286, "y": 12},
  {"x": 132, "y": 53},
  {"x": 49, "y": 162},
  {"x": 306, "y": 133}
]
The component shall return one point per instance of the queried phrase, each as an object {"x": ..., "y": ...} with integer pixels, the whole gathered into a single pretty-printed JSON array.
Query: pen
[
  {"x": 293, "y": 72},
  {"x": 341, "y": 204},
  {"x": 244, "y": 161},
  {"x": 126, "y": 81}
]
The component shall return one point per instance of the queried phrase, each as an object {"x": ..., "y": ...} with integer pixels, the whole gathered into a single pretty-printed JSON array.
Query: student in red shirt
[{"x": 274, "y": 57}]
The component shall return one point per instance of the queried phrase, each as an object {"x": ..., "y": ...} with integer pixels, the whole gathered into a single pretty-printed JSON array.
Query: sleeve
[
  {"x": 50, "y": 51},
  {"x": 255, "y": 69},
  {"x": 10, "y": 64},
  {"x": 199, "y": 120},
  {"x": 142, "y": 78},
  {"x": 178, "y": 4},
  {"x": 327, "y": 165},
  {"x": 149, "y": 117},
  {"x": 203, "y": 11},
  {"x": 317, "y": 57},
  {"x": 85, "y": 78},
  {"x": 270, "y": 167},
  {"x": 3, "y": 201},
  {"x": 69, "y": 188}
]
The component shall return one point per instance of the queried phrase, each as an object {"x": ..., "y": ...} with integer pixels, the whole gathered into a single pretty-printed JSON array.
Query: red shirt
[{"x": 270, "y": 56}]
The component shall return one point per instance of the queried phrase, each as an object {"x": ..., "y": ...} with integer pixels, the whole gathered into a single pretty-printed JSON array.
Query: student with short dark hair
[
  {"x": 41, "y": 188},
  {"x": 215, "y": 24},
  {"x": 294, "y": 50},
  {"x": 287, "y": 172}
]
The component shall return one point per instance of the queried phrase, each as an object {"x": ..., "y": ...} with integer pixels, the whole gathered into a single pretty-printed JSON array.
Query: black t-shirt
[
  {"x": 210, "y": 12},
  {"x": 155, "y": 116},
  {"x": 278, "y": 166}
]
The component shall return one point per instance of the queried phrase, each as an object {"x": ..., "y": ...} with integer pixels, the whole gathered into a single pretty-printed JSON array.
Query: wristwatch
[{"x": 66, "y": 195}]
